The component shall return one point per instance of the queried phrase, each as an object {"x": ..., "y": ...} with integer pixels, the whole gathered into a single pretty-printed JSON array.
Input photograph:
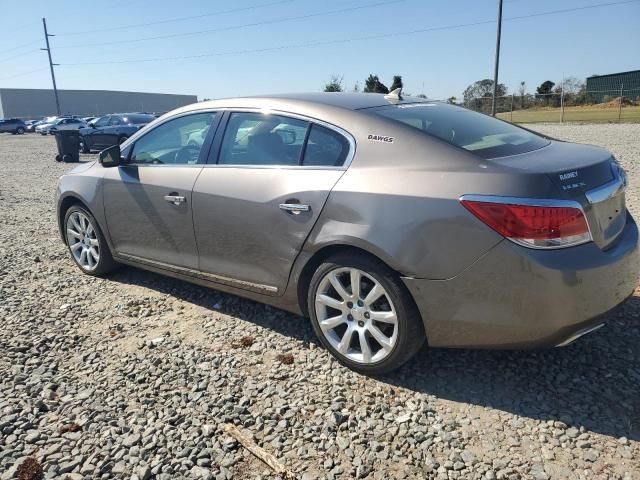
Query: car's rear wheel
[
  {"x": 121, "y": 139},
  {"x": 363, "y": 314},
  {"x": 20, "y": 130},
  {"x": 86, "y": 243}
]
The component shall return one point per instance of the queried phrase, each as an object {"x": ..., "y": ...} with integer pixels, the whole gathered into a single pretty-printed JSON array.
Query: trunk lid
[{"x": 583, "y": 173}]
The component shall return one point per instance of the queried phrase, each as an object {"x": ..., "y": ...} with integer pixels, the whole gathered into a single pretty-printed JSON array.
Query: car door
[
  {"x": 147, "y": 200},
  {"x": 255, "y": 203},
  {"x": 92, "y": 135}
]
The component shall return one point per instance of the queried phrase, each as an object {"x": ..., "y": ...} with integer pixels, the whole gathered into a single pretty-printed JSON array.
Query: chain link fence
[{"x": 621, "y": 105}]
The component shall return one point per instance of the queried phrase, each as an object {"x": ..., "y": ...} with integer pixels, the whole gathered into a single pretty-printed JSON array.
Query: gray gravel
[{"x": 134, "y": 376}]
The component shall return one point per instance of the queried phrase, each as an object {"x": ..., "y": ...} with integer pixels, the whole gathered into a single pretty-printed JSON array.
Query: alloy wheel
[
  {"x": 83, "y": 241},
  {"x": 356, "y": 315}
]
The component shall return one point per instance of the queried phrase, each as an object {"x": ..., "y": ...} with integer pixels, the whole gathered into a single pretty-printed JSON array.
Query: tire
[
  {"x": 121, "y": 139},
  {"x": 84, "y": 147},
  {"x": 20, "y": 131},
  {"x": 401, "y": 339},
  {"x": 105, "y": 262}
]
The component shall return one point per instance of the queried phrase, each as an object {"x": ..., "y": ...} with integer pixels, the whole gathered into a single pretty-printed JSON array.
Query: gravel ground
[{"x": 135, "y": 376}]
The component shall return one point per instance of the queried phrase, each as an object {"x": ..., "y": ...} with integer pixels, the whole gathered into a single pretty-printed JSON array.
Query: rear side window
[
  {"x": 325, "y": 147},
  {"x": 480, "y": 134},
  {"x": 262, "y": 139}
]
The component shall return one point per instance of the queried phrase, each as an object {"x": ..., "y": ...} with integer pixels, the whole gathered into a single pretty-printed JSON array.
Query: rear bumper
[{"x": 515, "y": 297}]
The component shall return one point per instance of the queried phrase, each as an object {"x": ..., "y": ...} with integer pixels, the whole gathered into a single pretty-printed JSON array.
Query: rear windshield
[
  {"x": 480, "y": 134},
  {"x": 138, "y": 118}
]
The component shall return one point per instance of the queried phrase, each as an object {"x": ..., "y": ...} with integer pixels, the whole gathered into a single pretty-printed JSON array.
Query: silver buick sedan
[{"x": 388, "y": 221}]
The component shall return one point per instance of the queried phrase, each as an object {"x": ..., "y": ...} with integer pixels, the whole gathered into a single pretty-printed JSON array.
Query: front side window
[
  {"x": 115, "y": 120},
  {"x": 262, "y": 139},
  {"x": 175, "y": 142},
  {"x": 480, "y": 134},
  {"x": 101, "y": 122}
]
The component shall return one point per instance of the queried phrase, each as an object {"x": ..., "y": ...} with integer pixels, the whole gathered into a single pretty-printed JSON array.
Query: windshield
[{"x": 480, "y": 134}]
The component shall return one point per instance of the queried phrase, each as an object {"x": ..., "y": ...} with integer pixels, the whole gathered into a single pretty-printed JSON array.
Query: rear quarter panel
[{"x": 399, "y": 200}]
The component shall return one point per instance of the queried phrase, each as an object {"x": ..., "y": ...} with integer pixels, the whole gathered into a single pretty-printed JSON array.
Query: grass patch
[{"x": 573, "y": 114}]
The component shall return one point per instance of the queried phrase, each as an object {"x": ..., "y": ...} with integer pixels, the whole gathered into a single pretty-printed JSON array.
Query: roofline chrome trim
[{"x": 350, "y": 138}]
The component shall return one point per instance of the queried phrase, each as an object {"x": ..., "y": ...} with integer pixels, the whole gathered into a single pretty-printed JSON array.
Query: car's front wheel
[
  {"x": 363, "y": 314},
  {"x": 20, "y": 130},
  {"x": 86, "y": 243}
]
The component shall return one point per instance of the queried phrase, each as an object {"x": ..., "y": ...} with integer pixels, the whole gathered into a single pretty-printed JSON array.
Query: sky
[{"x": 264, "y": 46}]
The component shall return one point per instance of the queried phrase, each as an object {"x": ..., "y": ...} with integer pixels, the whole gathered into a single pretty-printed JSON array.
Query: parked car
[
  {"x": 386, "y": 220},
  {"x": 112, "y": 129},
  {"x": 13, "y": 126},
  {"x": 88, "y": 120},
  {"x": 63, "y": 123}
]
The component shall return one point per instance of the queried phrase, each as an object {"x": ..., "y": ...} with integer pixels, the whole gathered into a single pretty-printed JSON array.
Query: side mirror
[{"x": 111, "y": 157}]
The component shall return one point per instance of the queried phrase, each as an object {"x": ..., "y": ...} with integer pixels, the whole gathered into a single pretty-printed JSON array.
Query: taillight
[{"x": 532, "y": 223}]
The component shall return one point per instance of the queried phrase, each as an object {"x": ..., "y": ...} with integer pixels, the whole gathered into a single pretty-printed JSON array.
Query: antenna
[{"x": 394, "y": 95}]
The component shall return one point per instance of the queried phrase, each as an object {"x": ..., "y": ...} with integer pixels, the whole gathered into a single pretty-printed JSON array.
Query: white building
[{"x": 36, "y": 103}]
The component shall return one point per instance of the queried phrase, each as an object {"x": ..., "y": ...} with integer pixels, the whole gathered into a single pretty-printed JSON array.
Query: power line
[
  {"x": 351, "y": 39},
  {"x": 21, "y": 46},
  {"x": 17, "y": 56},
  {"x": 180, "y": 19},
  {"x": 24, "y": 73},
  {"x": 233, "y": 27}
]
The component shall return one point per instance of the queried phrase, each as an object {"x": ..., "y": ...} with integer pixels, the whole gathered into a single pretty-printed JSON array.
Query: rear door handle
[
  {"x": 294, "y": 208},
  {"x": 175, "y": 198}
]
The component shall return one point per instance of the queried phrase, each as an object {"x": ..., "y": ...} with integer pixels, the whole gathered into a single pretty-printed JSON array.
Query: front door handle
[
  {"x": 294, "y": 208},
  {"x": 175, "y": 198}
]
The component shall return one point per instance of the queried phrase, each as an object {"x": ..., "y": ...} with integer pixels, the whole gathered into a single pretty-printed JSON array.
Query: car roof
[{"x": 286, "y": 101}]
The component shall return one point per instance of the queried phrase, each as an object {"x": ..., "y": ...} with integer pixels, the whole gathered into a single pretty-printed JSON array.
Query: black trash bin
[{"x": 68, "y": 142}]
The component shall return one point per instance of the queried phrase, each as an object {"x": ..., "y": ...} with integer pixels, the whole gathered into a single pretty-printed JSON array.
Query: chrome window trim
[
  {"x": 533, "y": 202},
  {"x": 350, "y": 138}
]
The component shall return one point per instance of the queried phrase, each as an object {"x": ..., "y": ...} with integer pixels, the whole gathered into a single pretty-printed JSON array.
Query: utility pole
[
  {"x": 562, "y": 100},
  {"x": 51, "y": 64},
  {"x": 495, "y": 70}
]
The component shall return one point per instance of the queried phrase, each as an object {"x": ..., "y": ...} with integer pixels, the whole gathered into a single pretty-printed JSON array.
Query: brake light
[{"x": 534, "y": 226}]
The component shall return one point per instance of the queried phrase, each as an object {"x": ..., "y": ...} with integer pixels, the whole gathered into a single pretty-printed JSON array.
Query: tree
[
  {"x": 544, "y": 90},
  {"x": 373, "y": 85},
  {"x": 397, "y": 83},
  {"x": 356, "y": 87},
  {"x": 334, "y": 84},
  {"x": 421, "y": 95},
  {"x": 452, "y": 100},
  {"x": 522, "y": 91},
  {"x": 475, "y": 95}
]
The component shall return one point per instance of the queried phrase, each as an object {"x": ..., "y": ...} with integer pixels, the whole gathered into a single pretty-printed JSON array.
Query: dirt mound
[{"x": 614, "y": 103}]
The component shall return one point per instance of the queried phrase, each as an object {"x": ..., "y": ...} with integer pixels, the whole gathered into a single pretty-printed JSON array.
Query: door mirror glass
[{"x": 111, "y": 157}]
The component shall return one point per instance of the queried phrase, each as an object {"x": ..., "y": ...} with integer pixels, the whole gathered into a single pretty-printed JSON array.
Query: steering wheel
[{"x": 187, "y": 154}]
